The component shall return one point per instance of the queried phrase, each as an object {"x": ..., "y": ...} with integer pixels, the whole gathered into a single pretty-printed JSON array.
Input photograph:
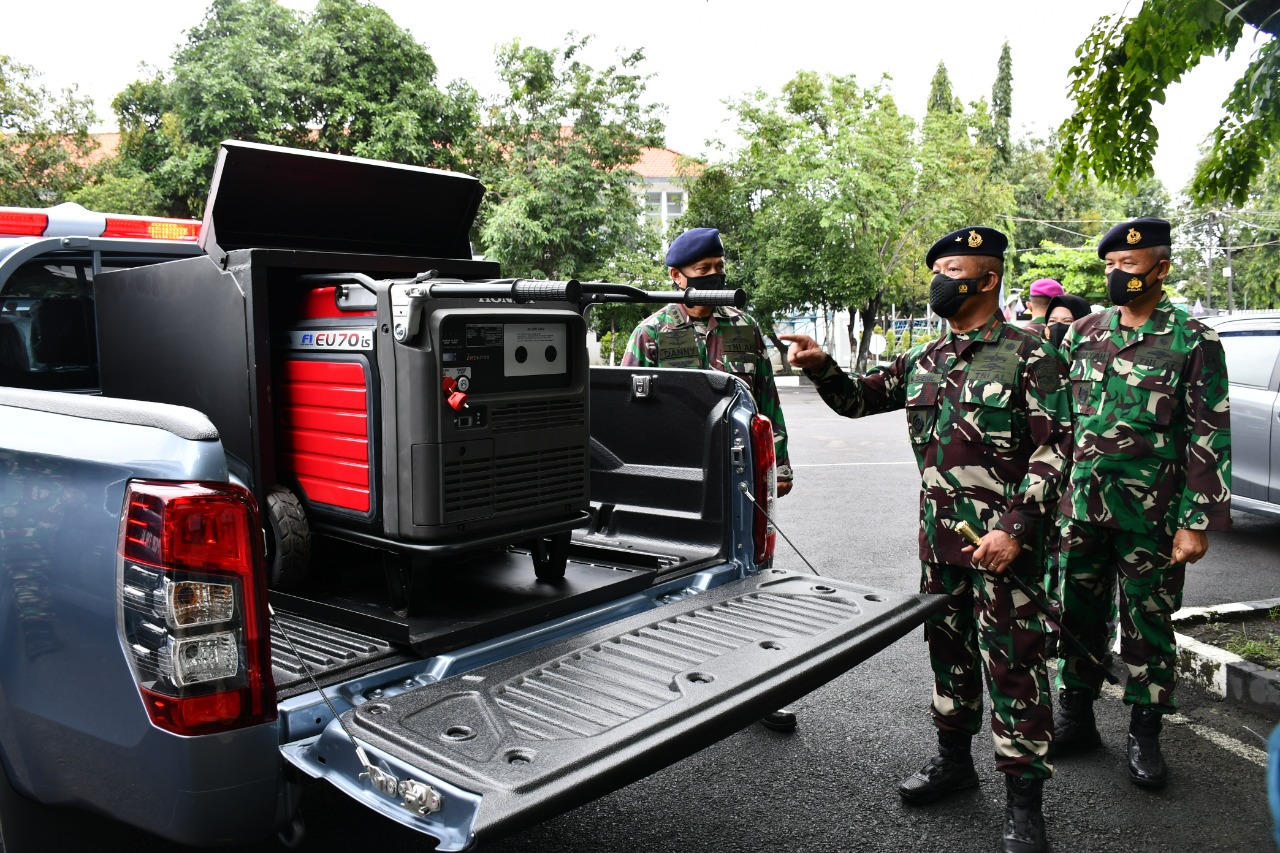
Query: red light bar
[
  {"x": 152, "y": 228},
  {"x": 23, "y": 223}
]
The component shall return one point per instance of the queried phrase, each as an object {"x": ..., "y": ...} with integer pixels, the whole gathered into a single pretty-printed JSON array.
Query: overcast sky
[{"x": 700, "y": 52}]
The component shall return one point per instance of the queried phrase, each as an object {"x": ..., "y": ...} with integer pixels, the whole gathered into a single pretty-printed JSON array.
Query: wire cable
[{"x": 774, "y": 522}]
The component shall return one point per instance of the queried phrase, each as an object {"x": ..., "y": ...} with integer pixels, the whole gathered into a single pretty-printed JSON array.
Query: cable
[
  {"x": 774, "y": 522},
  {"x": 364, "y": 759}
]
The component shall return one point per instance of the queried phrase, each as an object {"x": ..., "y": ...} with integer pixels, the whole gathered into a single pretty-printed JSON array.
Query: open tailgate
[{"x": 522, "y": 739}]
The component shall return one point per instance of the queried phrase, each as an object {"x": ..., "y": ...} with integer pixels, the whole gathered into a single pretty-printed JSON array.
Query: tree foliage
[
  {"x": 345, "y": 79},
  {"x": 1000, "y": 138},
  {"x": 1127, "y": 64},
  {"x": 561, "y": 200},
  {"x": 836, "y": 192},
  {"x": 43, "y": 138}
]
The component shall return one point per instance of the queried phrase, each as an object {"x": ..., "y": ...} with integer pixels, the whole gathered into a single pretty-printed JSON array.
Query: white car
[{"x": 1252, "y": 345}]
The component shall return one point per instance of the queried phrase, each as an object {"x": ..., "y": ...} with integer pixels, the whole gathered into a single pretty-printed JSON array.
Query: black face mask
[
  {"x": 947, "y": 294},
  {"x": 714, "y": 281},
  {"x": 1055, "y": 332},
  {"x": 1124, "y": 287}
]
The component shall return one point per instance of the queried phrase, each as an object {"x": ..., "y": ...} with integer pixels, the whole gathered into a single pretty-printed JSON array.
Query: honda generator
[{"x": 370, "y": 380}]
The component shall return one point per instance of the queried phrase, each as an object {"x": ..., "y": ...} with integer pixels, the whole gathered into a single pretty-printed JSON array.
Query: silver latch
[
  {"x": 640, "y": 386},
  {"x": 419, "y": 798},
  {"x": 382, "y": 781}
]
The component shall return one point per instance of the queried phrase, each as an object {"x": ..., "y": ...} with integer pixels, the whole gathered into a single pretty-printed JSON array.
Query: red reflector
[
  {"x": 195, "y": 714},
  {"x": 23, "y": 224},
  {"x": 765, "y": 482},
  {"x": 148, "y": 228}
]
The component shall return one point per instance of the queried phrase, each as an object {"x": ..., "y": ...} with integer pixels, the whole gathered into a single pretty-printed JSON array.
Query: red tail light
[
  {"x": 193, "y": 616},
  {"x": 152, "y": 228},
  {"x": 23, "y": 223},
  {"x": 765, "y": 487}
]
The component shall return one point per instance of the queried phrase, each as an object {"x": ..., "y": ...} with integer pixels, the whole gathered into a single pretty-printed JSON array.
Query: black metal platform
[{"x": 469, "y": 600}]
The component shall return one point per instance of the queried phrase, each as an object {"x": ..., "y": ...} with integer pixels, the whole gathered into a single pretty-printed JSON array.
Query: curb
[{"x": 1222, "y": 673}]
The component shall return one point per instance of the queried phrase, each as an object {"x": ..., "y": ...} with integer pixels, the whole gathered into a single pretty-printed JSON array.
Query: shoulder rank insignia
[
  {"x": 975, "y": 239},
  {"x": 1133, "y": 236}
]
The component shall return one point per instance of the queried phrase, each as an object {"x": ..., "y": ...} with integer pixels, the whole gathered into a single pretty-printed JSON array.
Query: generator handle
[
  {"x": 340, "y": 278},
  {"x": 599, "y": 292},
  {"x": 517, "y": 290},
  {"x": 691, "y": 296}
]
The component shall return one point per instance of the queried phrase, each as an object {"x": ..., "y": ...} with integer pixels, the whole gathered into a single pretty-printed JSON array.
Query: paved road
[{"x": 830, "y": 786}]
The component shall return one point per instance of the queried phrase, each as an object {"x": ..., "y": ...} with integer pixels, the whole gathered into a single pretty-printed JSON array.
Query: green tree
[
  {"x": 1127, "y": 64},
  {"x": 835, "y": 193},
  {"x": 369, "y": 89},
  {"x": 345, "y": 79},
  {"x": 1077, "y": 269},
  {"x": 941, "y": 98},
  {"x": 1002, "y": 110},
  {"x": 43, "y": 136},
  {"x": 561, "y": 200}
]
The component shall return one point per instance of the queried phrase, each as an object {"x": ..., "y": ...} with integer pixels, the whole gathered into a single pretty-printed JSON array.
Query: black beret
[
  {"x": 974, "y": 240},
  {"x": 1138, "y": 234},
  {"x": 694, "y": 245},
  {"x": 1077, "y": 305}
]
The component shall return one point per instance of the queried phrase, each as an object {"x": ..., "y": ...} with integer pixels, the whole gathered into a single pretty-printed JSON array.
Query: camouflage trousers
[
  {"x": 1091, "y": 561},
  {"x": 988, "y": 621}
]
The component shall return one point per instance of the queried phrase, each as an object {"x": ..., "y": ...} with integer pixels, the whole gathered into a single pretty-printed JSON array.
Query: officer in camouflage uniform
[
  {"x": 711, "y": 338},
  {"x": 714, "y": 338},
  {"x": 1152, "y": 474},
  {"x": 989, "y": 420}
]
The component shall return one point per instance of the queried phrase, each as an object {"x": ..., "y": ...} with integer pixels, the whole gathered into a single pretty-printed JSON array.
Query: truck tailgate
[{"x": 534, "y": 735}]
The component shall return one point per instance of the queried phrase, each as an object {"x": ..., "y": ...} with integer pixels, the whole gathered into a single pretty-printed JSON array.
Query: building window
[
  {"x": 675, "y": 205},
  {"x": 653, "y": 210}
]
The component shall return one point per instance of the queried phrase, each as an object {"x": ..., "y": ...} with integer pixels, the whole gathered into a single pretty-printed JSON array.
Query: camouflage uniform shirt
[
  {"x": 729, "y": 341},
  {"x": 1153, "y": 427},
  {"x": 989, "y": 421}
]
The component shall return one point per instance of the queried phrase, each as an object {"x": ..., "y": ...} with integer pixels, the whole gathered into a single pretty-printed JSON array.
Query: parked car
[{"x": 1252, "y": 345}]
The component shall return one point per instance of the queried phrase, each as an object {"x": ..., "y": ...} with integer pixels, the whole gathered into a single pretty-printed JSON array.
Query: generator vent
[
  {"x": 536, "y": 414},
  {"x": 541, "y": 479}
]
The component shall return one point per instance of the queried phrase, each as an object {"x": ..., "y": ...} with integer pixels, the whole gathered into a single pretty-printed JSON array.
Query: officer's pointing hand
[
  {"x": 804, "y": 352},
  {"x": 996, "y": 552}
]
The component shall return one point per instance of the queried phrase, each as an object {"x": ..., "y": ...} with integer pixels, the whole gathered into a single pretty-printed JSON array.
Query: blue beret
[
  {"x": 974, "y": 240},
  {"x": 1138, "y": 234},
  {"x": 694, "y": 245}
]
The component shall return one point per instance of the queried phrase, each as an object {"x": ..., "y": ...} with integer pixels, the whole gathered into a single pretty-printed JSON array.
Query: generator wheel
[
  {"x": 290, "y": 539},
  {"x": 550, "y": 556}
]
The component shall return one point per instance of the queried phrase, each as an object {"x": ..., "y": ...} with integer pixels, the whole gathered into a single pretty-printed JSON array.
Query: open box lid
[{"x": 270, "y": 197}]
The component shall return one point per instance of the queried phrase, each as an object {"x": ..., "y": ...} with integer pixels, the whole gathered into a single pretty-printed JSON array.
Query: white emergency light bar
[{"x": 71, "y": 220}]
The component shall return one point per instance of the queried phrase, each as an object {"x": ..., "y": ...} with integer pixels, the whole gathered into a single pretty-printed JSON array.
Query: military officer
[
  {"x": 1152, "y": 474},
  {"x": 988, "y": 417},
  {"x": 714, "y": 338}
]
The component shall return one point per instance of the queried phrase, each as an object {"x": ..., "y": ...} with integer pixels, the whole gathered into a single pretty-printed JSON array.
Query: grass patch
[{"x": 1253, "y": 636}]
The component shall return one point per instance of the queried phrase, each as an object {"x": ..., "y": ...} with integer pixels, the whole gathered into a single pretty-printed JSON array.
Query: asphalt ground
[{"x": 831, "y": 786}]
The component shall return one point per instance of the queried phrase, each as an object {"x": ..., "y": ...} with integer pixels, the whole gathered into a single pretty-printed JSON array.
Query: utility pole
[
  {"x": 1208, "y": 287},
  {"x": 1226, "y": 271}
]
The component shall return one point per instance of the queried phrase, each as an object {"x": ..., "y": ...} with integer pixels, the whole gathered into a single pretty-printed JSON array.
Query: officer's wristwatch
[{"x": 784, "y": 472}]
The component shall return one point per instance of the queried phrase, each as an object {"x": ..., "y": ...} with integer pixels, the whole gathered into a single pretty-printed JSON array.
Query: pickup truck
[{"x": 150, "y": 673}]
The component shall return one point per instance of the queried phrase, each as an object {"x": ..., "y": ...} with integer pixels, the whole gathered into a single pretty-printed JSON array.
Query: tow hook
[{"x": 417, "y": 797}]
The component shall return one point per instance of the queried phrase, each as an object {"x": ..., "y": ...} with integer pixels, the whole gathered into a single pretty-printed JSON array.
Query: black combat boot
[
  {"x": 1146, "y": 765},
  {"x": 1023, "y": 820},
  {"x": 950, "y": 770},
  {"x": 1073, "y": 724}
]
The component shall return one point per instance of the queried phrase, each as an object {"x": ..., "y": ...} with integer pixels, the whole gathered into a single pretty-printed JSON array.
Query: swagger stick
[{"x": 971, "y": 536}]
